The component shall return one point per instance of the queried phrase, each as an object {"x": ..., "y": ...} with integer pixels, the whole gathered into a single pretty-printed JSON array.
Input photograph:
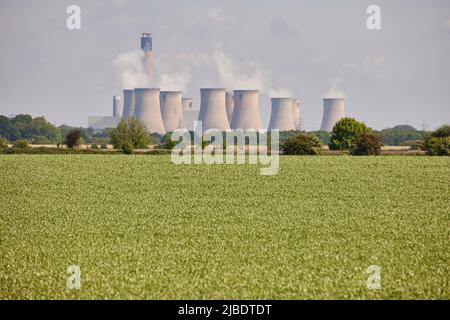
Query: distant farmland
[{"x": 141, "y": 227}]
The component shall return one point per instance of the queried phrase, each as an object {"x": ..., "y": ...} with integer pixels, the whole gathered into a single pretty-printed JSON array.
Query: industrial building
[
  {"x": 171, "y": 110},
  {"x": 213, "y": 112},
  {"x": 229, "y": 103},
  {"x": 282, "y": 115},
  {"x": 148, "y": 109},
  {"x": 246, "y": 110},
  {"x": 166, "y": 111},
  {"x": 333, "y": 111},
  {"x": 128, "y": 104},
  {"x": 147, "y": 47}
]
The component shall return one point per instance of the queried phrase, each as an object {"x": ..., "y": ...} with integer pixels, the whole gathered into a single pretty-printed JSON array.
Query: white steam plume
[
  {"x": 130, "y": 68},
  {"x": 334, "y": 91}
]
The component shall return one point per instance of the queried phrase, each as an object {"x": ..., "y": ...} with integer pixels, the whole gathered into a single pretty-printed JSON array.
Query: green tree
[
  {"x": 438, "y": 142},
  {"x": 130, "y": 133},
  {"x": 345, "y": 132},
  {"x": 302, "y": 144},
  {"x": 73, "y": 138},
  {"x": 367, "y": 144},
  {"x": 397, "y": 135}
]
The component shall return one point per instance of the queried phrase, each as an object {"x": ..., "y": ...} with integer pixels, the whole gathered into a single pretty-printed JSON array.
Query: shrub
[
  {"x": 169, "y": 145},
  {"x": 127, "y": 147},
  {"x": 3, "y": 143},
  {"x": 40, "y": 140},
  {"x": 21, "y": 144},
  {"x": 73, "y": 138},
  {"x": 104, "y": 146},
  {"x": 438, "y": 146},
  {"x": 367, "y": 144},
  {"x": 414, "y": 144},
  {"x": 345, "y": 132},
  {"x": 94, "y": 146},
  {"x": 302, "y": 144}
]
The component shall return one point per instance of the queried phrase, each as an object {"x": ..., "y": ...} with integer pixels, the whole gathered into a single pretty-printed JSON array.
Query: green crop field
[{"x": 142, "y": 227}]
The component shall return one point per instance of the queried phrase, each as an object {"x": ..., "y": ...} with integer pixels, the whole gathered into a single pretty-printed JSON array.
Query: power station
[
  {"x": 147, "y": 47},
  {"x": 128, "y": 104},
  {"x": 246, "y": 110},
  {"x": 229, "y": 103},
  {"x": 333, "y": 111},
  {"x": 213, "y": 112},
  {"x": 282, "y": 116},
  {"x": 165, "y": 111},
  {"x": 171, "y": 110},
  {"x": 148, "y": 109}
]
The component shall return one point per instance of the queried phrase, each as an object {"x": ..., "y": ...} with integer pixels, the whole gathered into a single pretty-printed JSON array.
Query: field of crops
[{"x": 141, "y": 227}]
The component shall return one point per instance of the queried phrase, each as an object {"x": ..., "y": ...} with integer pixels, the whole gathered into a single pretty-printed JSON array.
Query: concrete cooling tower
[
  {"x": 213, "y": 113},
  {"x": 117, "y": 108},
  {"x": 186, "y": 104},
  {"x": 147, "y": 47},
  {"x": 333, "y": 111},
  {"x": 128, "y": 104},
  {"x": 148, "y": 109},
  {"x": 171, "y": 110},
  {"x": 246, "y": 110},
  {"x": 296, "y": 113},
  {"x": 282, "y": 117},
  {"x": 229, "y": 103}
]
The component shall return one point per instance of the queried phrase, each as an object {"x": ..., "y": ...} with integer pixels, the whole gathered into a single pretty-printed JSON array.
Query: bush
[
  {"x": 3, "y": 143},
  {"x": 345, "y": 132},
  {"x": 94, "y": 146},
  {"x": 414, "y": 144},
  {"x": 169, "y": 145},
  {"x": 302, "y": 144},
  {"x": 438, "y": 146},
  {"x": 127, "y": 147},
  {"x": 40, "y": 140},
  {"x": 367, "y": 144},
  {"x": 21, "y": 144},
  {"x": 73, "y": 138},
  {"x": 104, "y": 146}
]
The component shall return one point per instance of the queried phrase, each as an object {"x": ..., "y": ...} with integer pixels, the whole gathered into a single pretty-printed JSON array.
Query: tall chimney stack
[{"x": 147, "y": 47}]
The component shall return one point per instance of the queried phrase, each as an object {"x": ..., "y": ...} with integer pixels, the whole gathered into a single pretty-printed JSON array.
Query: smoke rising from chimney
[{"x": 130, "y": 67}]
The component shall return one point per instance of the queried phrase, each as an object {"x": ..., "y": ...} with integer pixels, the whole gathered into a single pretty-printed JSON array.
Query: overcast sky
[{"x": 399, "y": 74}]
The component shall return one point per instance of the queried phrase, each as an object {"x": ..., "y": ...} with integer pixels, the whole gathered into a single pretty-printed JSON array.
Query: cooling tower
[
  {"x": 148, "y": 109},
  {"x": 282, "y": 117},
  {"x": 171, "y": 110},
  {"x": 229, "y": 103},
  {"x": 128, "y": 104},
  {"x": 213, "y": 112},
  {"x": 117, "y": 108},
  {"x": 246, "y": 110},
  {"x": 296, "y": 113},
  {"x": 147, "y": 47},
  {"x": 333, "y": 111},
  {"x": 186, "y": 104}
]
